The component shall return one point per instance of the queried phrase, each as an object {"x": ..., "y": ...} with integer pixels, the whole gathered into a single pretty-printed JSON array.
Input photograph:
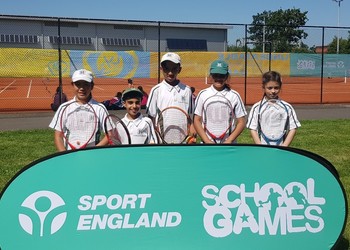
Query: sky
[{"x": 320, "y": 12}]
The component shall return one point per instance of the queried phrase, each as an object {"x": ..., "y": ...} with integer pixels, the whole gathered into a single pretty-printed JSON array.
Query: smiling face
[
  {"x": 82, "y": 91},
  {"x": 133, "y": 106},
  {"x": 219, "y": 81}
]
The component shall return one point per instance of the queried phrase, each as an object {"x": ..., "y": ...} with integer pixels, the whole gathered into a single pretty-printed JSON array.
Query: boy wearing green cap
[
  {"x": 219, "y": 78},
  {"x": 141, "y": 128}
]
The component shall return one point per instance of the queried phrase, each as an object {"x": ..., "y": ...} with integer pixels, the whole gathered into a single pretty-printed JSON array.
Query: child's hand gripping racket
[
  {"x": 78, "y": 125},
  {"x": 116, "y": 131},
  {"x": 273, "y": 121},
  {"x": 173, "y": 125},
  {"x": 217, "y": 117}
]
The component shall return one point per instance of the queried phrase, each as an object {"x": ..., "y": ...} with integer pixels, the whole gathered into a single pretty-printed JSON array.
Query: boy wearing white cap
[
  {"x": 82, "y": 82},
  {"x": 170, "y": 92},
  {"x": 141, "y": 128}
]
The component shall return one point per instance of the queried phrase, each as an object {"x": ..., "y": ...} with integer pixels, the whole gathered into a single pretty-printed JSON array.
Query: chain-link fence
[{"x": 39, "y": 55}]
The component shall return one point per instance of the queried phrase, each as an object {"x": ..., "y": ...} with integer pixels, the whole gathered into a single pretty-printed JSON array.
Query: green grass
[{"x": 327, "y": 138}]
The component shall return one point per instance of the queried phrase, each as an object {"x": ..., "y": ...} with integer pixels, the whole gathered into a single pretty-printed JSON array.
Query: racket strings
[
  {"x": 79, "y": 126},
  {"x": 273, "y": 118},
  {"x": 116, "y": 131},
  {"x": 218, "y": 117},
  {"x": 173, "y": 125}
]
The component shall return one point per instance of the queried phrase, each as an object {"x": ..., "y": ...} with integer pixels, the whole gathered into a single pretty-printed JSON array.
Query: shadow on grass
[{"x": 342, "y": 244}]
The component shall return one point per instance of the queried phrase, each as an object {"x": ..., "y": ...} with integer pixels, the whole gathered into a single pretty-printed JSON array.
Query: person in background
[
  {"x": 57, "y": 100},
  {"x": 144, "y": 98}
]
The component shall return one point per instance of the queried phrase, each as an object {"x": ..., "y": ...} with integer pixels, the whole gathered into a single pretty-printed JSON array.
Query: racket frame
[
  {"x": 159, "y": 127},
  {"x": 63, "y": 130},
  {"x": 261, "y": 134},
  {"x": 120, "y": 121},
  {"x": 204, "y": 119}
]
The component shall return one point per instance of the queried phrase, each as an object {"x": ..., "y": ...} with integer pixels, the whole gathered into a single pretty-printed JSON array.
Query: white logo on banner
[
  {"x": 42, "y": 203},
  {"x": 269, "y": 209}
]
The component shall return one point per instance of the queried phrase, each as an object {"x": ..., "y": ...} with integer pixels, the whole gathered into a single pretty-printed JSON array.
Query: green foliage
[
  {"x": 344, "y": 46},
  {"x": 282, "y": 28}
]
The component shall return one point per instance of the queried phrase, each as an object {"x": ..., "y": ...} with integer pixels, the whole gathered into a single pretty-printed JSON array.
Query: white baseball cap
[
  {"x": 82, "y": 75},
  {"x": 173, "y": 57}
]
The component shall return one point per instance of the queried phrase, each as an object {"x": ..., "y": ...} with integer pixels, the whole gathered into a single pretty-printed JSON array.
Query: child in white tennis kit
[
  {"x": 141, "y": 128},
  {"x": 170, "y": 92},
  {"x": 219, "y": 75},
  {"x": 271, "y": 85},
  {"x": 82, "y": 82}
]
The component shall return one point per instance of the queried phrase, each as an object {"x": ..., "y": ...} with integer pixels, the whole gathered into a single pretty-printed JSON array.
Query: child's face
[
  {"x": 82, "y": 90},
  {"x": 219, "y": 81},
  {"x": 170, "y": 71},
  {"x": 272, "y": 89},
  {"x": 133, "y": 106}
]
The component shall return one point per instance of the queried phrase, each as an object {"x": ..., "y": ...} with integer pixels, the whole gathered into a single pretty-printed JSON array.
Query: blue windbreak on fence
[
  {"x": 310, "y": 65},
  {"x": 114, "y": 64}
]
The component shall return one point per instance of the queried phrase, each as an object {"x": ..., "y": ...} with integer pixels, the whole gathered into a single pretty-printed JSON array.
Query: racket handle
[{"x": 191, "y": 140}]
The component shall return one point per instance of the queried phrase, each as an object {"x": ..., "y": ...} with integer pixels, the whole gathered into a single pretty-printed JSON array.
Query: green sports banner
[{"x": 174, "y": 197}]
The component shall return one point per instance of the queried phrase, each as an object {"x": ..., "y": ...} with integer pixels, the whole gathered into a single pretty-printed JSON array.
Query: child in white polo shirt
[
  {"x": 170, "y": 92},
  {"x": 219, "y": 77},
  {"x": 141, "y": 128}
]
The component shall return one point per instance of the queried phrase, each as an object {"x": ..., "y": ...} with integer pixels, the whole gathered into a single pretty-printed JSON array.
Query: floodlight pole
[
  {"x": 338, "y": 1},
  {"x": 264, "y": 34}
]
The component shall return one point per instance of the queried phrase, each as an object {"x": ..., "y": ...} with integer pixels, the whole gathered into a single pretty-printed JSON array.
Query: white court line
[
  {"x": 30, "y": 87},
  {"x": 7, "y": 86},
  {"x": 98, "y": 88}
]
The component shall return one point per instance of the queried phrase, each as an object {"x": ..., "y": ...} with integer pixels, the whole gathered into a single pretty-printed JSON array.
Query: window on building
[
  {"x": 130, "y": 42},
  {"x": 18, "y": 38},
  {"x": 187, "y": 44}
]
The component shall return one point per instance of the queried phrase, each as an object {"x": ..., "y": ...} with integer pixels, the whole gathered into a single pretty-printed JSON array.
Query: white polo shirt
[
  {"x": 254, "y": 113},
  {"x": 101, "y": 113},
  {"x": 164, "y": 95},
  {"x": 141, "y": 130},
  {"x": 230, "y": 94}
]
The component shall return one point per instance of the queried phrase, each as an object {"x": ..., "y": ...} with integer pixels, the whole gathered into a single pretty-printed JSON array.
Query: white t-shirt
[
  {"x": 101, "y": 113},
  {"x": 164, "y": 95},
  {"x": 231, "y": 95},
  {"x": 141, "y": 130},
  {"x": 257, "y": 108}
]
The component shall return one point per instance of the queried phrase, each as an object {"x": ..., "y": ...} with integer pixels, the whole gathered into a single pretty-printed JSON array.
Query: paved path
[{"x": 40, "y": 120}]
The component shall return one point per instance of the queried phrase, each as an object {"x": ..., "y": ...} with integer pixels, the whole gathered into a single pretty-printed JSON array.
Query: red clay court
[{"x": 26, "y": 94}]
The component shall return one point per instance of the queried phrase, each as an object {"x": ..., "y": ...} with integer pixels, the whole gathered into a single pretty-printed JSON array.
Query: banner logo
[{"x": 39, "y": 206}]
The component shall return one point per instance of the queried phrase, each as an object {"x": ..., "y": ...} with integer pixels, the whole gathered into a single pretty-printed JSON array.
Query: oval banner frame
[{"x": 174, "y": 197}]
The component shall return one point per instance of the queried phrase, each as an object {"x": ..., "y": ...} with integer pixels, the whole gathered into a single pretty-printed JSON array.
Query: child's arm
[
  {"x": 103, "y": 142},
  {"x": 58, "y": 137},
  {"x": 255, "y": 136},
  {"x": 197, "y": 122},
  {"x": 289, "y": 138},
  {"x": 240, "y": 126}
]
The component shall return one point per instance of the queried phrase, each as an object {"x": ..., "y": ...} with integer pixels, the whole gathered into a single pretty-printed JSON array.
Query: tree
[
  {"x": 344, "y": 46},
  {"x": 281, "y": 28}
]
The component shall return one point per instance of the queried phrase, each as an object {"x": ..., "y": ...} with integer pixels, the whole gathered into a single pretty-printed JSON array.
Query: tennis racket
[
  {"x": 78, "y": 125},
  {"x": 217, "y": 117},
  {"x": 173, "y": 125},
  {"x": 273, "y": 121},
  {"x": 116, "y": 131}
]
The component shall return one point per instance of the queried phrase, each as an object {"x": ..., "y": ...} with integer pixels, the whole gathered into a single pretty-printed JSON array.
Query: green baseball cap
[
  {"x": 219, "y": 67},
  {"x": 132, "y": 93}
]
